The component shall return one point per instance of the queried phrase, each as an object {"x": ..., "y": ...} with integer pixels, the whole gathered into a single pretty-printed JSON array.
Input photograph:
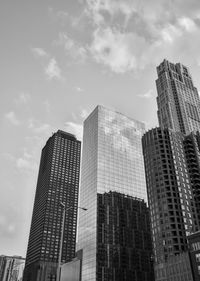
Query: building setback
[
  {"x": 111, "y": 161},
  {"x": 124, "y": 246},
  {"x": 58, "y": 181}
]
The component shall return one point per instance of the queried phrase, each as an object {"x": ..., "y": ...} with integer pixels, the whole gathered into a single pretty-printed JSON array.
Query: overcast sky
[{"x": 59, "y": 59}]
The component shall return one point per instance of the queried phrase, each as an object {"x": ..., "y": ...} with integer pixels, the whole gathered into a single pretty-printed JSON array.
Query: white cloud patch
[
  {"x": 188, "y": 24},
  {"x": 52, "y": 70},
  {"x": 128, "y": 35},
  {"x": 116, "y": 49},
  {"x": 38, "y": 127},
  {"x": 74, "y": 128},
  {"x": 79, "y": 89},
  {"x": 146, "y": 95},
  {"x": 39, "y": 52},
  {"x": 23, "y": 98},
  {"x": 84, "y": 113},
  {"x": 12, "y": 118},
  {"x": 72, "y": 48}
]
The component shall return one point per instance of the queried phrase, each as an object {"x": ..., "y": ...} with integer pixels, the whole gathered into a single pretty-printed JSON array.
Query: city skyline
[{"x": 59, "y": 60}]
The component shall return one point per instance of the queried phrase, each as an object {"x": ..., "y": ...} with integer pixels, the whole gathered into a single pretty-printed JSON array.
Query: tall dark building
[
  {"x": 58, "y": 181},
  {"x": 124, "y": 246},
  {"x": 172, "y": 167}
]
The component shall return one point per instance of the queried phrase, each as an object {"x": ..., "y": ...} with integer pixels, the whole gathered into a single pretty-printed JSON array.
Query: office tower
[
  {"x": 171, "y": 200},
  {"x": 58, "y": 181},
  {"x": 11, "y": 268},
  {"x": 111, "y": 161},
  {"x": 178, "y": 100},
  {"x": 124, "y": 246}
]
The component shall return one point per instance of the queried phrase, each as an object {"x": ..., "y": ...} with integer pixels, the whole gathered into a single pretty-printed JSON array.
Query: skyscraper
[
  {"x": 178, "y": 100},
  {"x": 58, "y": 181},
  {"x": 111, "y": 161},
  {"x": 172, "y": 167}
]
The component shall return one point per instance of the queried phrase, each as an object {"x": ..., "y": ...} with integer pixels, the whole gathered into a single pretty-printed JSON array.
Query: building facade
[
  {"x": 58, "y": 181},
  {"x": 172, "y": 202},
  {"x": 175, "y": 268},
  {"x": 178, "y": 100},
  {"x": 111, "y": 161},
  {"x": 124, "y": 246},
  {"x": 11, "y": 268},
  {"x": 172, "y": 167},
  {"x": 194, "y": 249}
]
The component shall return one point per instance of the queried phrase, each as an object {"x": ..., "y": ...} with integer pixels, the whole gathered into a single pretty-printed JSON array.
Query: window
[
  {"x": 198, "y": 269},
  {"x": 197, "y": 257}
]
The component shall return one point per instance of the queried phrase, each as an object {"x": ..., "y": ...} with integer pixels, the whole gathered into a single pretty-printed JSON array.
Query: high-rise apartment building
[
  {"x": 172, "y": 167},
  {"x": 58, "y": 181},
  {"x": 111, "y": 161},
  {"x": 178, "y": 100},
  {"x": 11, "y": 268},
  {"x": 171, "y": 199}
]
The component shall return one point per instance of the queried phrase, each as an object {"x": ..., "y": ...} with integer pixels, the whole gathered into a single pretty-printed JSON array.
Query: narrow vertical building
[
  {"x": 111, "y": 161},
  {"x": 172, "y": 167},
  {"x": 58, "y": 181},
  {"x": 178, "y": 100}
]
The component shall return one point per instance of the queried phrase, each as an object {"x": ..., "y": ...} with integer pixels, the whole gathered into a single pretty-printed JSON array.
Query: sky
[{"x": 61, "y": 58}]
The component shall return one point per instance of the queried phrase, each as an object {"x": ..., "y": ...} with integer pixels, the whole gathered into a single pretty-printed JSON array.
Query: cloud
[
  {"x": 129, "y": 35},
  {"x": 97, "y": 9},
  {"x": 146, "y": 95},
  {"x": 74, "y": 128},
  {"x": 72, "y": 48},
  {"x": 84, "y": 113},
  {"x": 23, "y": 98},
  {"x": 39, "y": 128},
  {"x": 79, "y": 89},
  {"x": 52, "y": 70},
  {"x": 188, "y": 24},
  {"x": 39, "y": 52},
  {"x": 116, "y": 49},
  {"x": 11, "y": 117}
]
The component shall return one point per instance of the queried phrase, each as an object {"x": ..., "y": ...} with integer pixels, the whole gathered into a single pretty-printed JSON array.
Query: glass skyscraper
[{"x": 111, "y": 161}]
